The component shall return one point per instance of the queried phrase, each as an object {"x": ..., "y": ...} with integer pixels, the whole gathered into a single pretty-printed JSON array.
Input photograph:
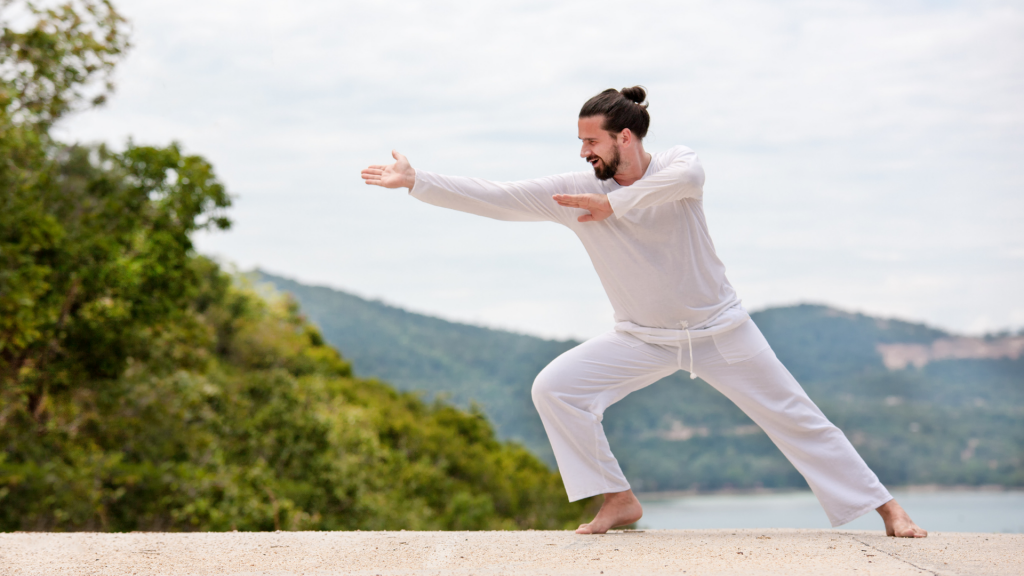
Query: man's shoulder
[
  {"x": 665, "y": 157},
  {"x": 674, "y": 151}
]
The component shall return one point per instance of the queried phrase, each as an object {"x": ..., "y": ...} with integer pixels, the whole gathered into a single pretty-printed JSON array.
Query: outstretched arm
[
  {"x": 525, "y": 200},
  {"x": 397, "y": 175}
]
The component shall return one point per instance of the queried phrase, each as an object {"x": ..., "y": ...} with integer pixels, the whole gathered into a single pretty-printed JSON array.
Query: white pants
[{"x": 573, "y": 392}]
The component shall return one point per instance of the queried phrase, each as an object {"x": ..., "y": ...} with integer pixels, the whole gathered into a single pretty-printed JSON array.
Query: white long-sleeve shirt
[{"x": 654, "y": 256}]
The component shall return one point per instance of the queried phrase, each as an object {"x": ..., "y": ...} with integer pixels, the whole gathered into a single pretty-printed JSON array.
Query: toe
[{"x": 912, "y": 532}]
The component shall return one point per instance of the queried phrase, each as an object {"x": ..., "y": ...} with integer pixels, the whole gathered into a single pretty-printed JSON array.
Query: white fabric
[
  {"x": 727, "y": 320},
  {"x": 671, "y": 299},
  {"x": 654, "y": 256},
  {"x": 572, "y": 393}
]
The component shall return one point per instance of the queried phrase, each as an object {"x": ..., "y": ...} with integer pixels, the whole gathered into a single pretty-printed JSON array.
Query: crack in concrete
[{"x": 896, "y": 556}]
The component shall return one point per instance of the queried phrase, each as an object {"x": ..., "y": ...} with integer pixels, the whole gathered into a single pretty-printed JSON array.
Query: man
[{"x": 641, "y": 219}]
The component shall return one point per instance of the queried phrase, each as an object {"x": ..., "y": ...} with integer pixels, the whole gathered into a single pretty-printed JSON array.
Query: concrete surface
[{"x": 690, "y": 552}]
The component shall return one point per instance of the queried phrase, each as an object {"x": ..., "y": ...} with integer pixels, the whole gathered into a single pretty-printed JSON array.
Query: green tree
[
  {"x": 95, "y": 263},
  {"x": 242, "y": 417},
  {"x": 93, "y": 244},
  {"x": 60, "y": 61},
  {"x": 142, "y": 388}
]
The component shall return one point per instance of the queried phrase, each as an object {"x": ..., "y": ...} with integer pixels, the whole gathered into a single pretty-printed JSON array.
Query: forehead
[{"x": 591, "y": 128}]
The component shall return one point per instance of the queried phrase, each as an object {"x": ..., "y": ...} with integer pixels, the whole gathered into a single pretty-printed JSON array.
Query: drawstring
[
  {"x": 689, "y": 344},
  {"x": 667, "y": 337}
]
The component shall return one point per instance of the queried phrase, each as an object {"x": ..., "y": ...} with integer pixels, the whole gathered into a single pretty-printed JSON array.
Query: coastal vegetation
[{"x": 143, "y": 388}]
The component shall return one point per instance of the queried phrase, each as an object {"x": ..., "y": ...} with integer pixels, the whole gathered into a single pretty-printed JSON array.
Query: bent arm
[
  {"x": 523, "y": 201},
  {"x": 683, "y": 177}
]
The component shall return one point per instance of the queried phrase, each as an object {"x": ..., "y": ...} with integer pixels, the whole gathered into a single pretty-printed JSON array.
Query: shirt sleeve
[
  {"x": 682, "y": 177},
  {"x": 523, "y": 201}
]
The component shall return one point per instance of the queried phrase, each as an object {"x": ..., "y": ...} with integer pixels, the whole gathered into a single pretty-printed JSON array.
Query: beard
[{"x": 608, "y": 168}]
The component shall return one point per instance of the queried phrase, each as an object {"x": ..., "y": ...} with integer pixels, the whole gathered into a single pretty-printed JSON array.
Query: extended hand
[
  {"x": 598, "y": 205},
  {"x": 397, "y": 175}
]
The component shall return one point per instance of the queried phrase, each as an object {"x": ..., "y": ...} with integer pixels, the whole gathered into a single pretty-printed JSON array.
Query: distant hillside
[
  {"x": 953, "y": 420},
  {"x": 412, "y": 351}
]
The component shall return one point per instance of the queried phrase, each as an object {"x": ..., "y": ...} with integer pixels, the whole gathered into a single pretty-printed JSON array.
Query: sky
[{"x": 865, "y": 155}]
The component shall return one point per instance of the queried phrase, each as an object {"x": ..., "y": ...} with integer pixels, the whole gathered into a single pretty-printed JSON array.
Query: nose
[{"x": 584, "y": 151}]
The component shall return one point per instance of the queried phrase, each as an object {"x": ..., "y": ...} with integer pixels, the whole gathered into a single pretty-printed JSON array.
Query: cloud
[{"x": 843, "y": 141}]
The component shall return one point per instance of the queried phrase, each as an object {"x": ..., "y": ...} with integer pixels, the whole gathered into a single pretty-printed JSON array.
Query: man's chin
[{"x": 603, "y": 175}]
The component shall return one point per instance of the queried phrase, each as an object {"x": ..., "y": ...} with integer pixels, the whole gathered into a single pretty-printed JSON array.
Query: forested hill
[
  {"x": 414, "y": 352},
  {"x": 143, "y": 388},
  {"x": 920, "y": 404}
]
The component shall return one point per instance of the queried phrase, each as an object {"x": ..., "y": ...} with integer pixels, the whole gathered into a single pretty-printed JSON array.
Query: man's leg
[
  {"x": 571, "y": 395},
  {"x": 762, "y": 387}
]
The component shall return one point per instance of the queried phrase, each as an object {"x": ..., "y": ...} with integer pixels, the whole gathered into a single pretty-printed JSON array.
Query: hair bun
[
  {"x": 636, "y": 94},
  {"x": 620, "y": 109}
]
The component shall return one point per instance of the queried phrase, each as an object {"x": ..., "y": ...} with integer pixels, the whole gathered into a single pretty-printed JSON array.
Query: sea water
[{"x": 936, "y": 511}]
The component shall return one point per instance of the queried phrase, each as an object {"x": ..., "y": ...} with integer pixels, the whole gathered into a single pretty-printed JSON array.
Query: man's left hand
[{"x": 598, "y": 205}]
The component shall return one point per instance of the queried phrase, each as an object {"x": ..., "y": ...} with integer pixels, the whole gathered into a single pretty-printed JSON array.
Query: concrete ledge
[{"x": 690, "y": 552}]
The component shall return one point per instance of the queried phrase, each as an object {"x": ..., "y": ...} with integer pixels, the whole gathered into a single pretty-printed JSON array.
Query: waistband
[{"x": 730, "y": 318}]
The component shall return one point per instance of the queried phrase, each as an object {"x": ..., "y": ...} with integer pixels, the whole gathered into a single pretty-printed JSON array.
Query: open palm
[{"x": 397, "y": 175}]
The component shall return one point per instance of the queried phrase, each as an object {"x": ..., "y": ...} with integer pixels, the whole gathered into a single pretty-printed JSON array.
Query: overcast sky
[{"x": 866, "y": 155}]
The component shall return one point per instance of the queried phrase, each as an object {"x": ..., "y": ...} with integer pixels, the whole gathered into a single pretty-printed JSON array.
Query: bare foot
[
  {"x": 619, "y": 509},
  {"x": 898, "y": 522}
]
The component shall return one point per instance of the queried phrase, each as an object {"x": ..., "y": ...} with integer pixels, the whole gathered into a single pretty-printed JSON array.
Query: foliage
[
  {"x": 73, "y": 294},
  {"x": 264, "y": 429},
  {"x": 913, "y": 426},
  {"x": 49, "y": 67},
  {"x": 458, "y": 362},
  {"x": 141, "y": 388},
  {"x": 95, "y": 261}
]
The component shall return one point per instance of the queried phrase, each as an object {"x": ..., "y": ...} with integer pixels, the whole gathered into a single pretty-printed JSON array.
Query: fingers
[
  {"x": 571, "y": 200},
  {"x": 576, "y": 201},
  {"x": 372, "y": 175},
  {"x": 400, "y": 157}
]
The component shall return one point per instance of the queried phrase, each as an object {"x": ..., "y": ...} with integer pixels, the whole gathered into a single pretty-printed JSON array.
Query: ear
[{"x": 625, "y": 137}]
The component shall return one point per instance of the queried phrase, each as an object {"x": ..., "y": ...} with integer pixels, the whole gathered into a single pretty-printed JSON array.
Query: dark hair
[{"x": 621, "y": 109}]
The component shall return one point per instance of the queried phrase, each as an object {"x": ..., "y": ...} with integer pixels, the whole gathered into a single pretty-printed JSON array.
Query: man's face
[{"x": 600, "y": 148}]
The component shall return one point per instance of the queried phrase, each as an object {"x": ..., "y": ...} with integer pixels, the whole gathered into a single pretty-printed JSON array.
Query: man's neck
[{"x": 632, "y": 169}]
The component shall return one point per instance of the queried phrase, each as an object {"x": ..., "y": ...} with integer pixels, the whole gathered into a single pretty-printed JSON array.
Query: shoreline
[{"x": 909, "y": 489}]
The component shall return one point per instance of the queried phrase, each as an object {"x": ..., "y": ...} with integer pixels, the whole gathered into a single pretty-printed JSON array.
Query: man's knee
[{"x": 545, "y": 386}]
